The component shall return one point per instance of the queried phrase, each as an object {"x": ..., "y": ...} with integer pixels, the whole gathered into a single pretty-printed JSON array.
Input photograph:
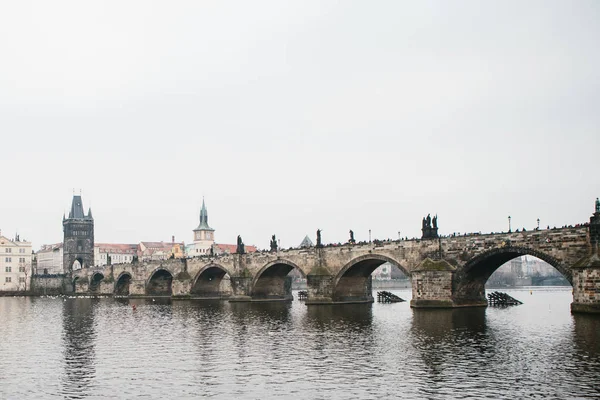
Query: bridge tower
[{"x": 78, "y": 242}]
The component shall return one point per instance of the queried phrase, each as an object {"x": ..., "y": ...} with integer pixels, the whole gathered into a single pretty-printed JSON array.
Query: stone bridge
[{"x": 445, "y": 272}]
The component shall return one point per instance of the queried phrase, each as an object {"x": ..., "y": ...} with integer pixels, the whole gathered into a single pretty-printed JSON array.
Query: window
[
  {"x": 8, "y": 269},
  {"x": 8, "y": 259},
  {"x": 21, "y": 279},
  {"x": 8, "y": 250},
  {"x": 21, "y": 269},
  {"x": 21, "y": 259},
  {"x": 21, "y": 251},
  {"x": 8, "y": 279}
]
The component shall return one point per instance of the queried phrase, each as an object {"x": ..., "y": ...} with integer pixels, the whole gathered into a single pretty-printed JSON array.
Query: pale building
[
  {"x": 49, "y": 259},
  {"x": 116, "y": 252},
  {"x": 15, "y": 264},
  {"x": 383, "y": 272}
]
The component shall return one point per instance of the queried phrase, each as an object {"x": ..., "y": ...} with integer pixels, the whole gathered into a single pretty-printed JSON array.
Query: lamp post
[
  {"x": 369, "y": 236},
  {"x": 538, "y": 221},
  {"x": 509, "y": 230}
]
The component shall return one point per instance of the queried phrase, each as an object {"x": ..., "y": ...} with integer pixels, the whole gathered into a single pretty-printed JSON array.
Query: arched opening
[
  {"x": 95, "y": 282},
  {"x": 160, "y": 283},
  {"x": 212, "y": 282},
  {"x": 526, "y": 271},
  {"x": 470, "y": 280},
  {"x": 389, "y": 276},
  {"x": 273, "y": 282},
  {"x": 122, "y": 285},
  {"x": 77, "y": 264},
  {"x": 353, "y": 284}
]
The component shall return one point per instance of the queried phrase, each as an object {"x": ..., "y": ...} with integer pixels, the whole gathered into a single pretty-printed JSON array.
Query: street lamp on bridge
[
  {"x": 509, "y": 230},
  {"x": 538, "y": 221}
]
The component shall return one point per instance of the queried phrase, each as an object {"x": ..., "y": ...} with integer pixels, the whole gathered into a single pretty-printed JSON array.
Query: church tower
[
  {"x": 204, "y": 235},
  {"x": 78, "y": 242}
]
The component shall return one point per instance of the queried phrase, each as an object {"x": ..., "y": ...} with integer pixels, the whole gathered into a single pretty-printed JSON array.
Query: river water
[{"x": 104, "y": 348}]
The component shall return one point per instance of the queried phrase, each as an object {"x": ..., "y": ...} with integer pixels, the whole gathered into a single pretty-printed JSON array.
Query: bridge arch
[
  {"x": 352, "y": 282},
  {"x": 271, "y": 282},
  {"x": 122, "y": 284},
  {"x": 469, "y": 280},
  {"x": 97, "y": 277},
  {"x": 160, "y": 282},
  {"x": 211, "y": 281}
]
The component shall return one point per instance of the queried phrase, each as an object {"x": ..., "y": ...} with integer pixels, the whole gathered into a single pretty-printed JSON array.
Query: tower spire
[{"x": 203, "y": 218}]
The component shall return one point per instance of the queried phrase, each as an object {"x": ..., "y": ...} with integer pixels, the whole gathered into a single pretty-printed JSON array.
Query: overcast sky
[{"x": 293, "y": 116}]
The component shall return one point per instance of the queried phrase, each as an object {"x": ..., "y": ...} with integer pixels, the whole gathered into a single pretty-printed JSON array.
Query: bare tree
[{"x": 26, "y": 269}]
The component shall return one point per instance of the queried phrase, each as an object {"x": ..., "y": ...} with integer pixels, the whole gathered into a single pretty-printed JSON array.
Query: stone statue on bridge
[
  {"x": 597, "y": 205},
  {"x": 240, "y": 246},
  {"x": 351, "y": 241},
  {"x": 273, "y": 244},
  {"x": 429, "y": 232},
  {"x": 319, "y": 243}
]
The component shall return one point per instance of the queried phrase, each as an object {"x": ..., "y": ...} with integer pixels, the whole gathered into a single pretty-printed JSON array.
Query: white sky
[{"x": 293, "y": 116}]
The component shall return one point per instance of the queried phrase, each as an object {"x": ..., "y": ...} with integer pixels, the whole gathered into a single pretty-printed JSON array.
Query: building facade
[
  {"x": 114, "y": 252},
  {"x": 49, "y": 259},
  {"x": 15, "y": 264}
]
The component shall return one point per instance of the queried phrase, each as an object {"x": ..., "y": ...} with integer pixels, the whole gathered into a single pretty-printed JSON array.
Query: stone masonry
[{"x": 445, "y": 272}]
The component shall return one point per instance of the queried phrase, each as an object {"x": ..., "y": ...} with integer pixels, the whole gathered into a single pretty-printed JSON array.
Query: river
[{"x": 87, "y": 348}]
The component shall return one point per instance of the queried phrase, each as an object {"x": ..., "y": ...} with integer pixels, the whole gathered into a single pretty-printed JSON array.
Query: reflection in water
[
  {"x": 439, "y": 333},
  {"x": 79, "y": 337},
  {"x": 189, "y": 349},
  {"x": 587, "y": 348},
  {"x": 587, "y": 334}
]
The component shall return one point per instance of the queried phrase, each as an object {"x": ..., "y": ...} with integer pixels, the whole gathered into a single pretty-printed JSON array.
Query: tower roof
[
  {"x": 306, "y": 242},
  {"x": 77, "y": 209},
  {"x": 203, "y": 219}
]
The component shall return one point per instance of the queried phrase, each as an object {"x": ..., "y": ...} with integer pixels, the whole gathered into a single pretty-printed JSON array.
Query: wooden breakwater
[
  {"x": 502, "y": 299},
  {"x": 388, "y": 297}
]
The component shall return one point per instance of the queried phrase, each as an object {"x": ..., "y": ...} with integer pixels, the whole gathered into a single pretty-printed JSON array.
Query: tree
[{"x": 26, "y": 269}]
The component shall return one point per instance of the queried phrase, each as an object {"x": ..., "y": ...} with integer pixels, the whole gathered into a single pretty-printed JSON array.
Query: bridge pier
[
  {"x": 432, "y": 285},
  {"x": 81, "y": 285},
  {"x": 240, "y": 288},
  {"x": 322, "y": 290},
  {"x": 586, "y": 272},
  {"x": 319, "y": 289},
  {"x": 586, "y": 285}
]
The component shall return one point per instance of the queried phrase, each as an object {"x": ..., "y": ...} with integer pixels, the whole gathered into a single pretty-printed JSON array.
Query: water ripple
[{"x": 106, "y": 349}]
